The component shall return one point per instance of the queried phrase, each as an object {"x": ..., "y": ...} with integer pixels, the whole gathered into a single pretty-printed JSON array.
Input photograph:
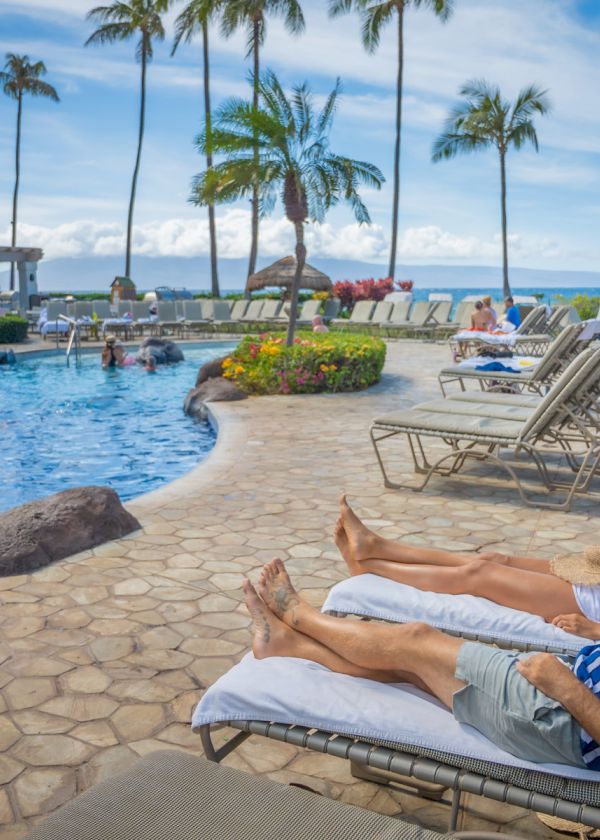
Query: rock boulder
[
  {"x": 210, "y": 370},
  {"x": 36, "y": 534},
  {"x": 211, "y": 390},
  {"x": 165, "y": 352}
]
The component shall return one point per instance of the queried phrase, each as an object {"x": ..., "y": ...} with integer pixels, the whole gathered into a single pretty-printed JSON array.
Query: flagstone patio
[{"x": 103, "y": 655}]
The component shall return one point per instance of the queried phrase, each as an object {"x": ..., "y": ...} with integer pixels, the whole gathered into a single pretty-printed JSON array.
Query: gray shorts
[{"x": 510, "y": 711}]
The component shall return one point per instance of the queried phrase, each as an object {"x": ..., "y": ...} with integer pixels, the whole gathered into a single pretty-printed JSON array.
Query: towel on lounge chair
[
  {"x": 467, "y": 615},
  {"x": 296, "y": 691},
  {"x": 508, "y": 339},
  {"x": 516, "y": 364}
]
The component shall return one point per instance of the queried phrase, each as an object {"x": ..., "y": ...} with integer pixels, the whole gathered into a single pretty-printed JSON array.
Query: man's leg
[
  {"x": 358, "y": 544},
  {"x": 425, "y": 653},
  {"x": 274, "y": 638}
]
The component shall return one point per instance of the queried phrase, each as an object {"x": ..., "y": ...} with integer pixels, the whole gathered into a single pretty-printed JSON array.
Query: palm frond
[{"x": 374, "y": 18}]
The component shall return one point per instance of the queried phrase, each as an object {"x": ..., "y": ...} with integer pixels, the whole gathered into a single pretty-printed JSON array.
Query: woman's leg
[
  {"x": 274, "y": 638},
  {"x": 424, "y": 655},
  {"x": 358, "y": 544},
  {"x": 533, "y": 592}
]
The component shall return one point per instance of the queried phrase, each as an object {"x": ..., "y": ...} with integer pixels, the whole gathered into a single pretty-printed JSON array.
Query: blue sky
[{"x": 78, "y": 155}]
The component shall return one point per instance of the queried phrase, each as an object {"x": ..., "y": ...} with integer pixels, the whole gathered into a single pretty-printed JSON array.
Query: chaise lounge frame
[
  {"x": 557, "y": 421},
  {"x": 534, "y": 790}
]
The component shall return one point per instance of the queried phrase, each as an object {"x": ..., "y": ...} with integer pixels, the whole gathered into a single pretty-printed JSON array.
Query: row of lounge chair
[
  {"x": 551, "y": 411},
  {"x": 183, "y": 317},
  {"x": 435, "y": 317}
]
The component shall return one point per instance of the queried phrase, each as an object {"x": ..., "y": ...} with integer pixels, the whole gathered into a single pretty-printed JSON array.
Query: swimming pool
[{"x": 63, "y": 427}]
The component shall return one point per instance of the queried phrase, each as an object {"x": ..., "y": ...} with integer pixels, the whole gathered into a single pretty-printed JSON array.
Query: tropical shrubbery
[
  {"x": 314, "y": 363},
  {"x": 13, "y": 329},
  {"x": 587, "y": 306},
  {"x": 352, "y": 291}
]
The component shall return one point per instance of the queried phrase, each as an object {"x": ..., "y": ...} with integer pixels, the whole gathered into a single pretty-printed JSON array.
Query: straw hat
[
  {"x": 579, "y": 568},
  {"x": 110, "y": 339},
  {"x": 558, "y": 824}
]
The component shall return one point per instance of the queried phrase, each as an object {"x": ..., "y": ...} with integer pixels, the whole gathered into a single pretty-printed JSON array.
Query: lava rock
[
  {"x": 165, "y": 352},
  {"x": 210, "y": 370},
  {"x": 40, "y": 532},
  {"x": 216, "y": 389}
]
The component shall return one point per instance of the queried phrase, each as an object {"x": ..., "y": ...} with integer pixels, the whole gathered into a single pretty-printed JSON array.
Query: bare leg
[
  {"x": 358, "y": 544},
  {"x": 533, "y": 592},
  {"x": 425, "y": 653},
  {"x": 274, "y": 638}
]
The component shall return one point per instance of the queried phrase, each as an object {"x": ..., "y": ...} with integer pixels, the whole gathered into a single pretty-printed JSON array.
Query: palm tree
[
  {"x": 294, "y": 159},
  {"x": 485, "y": 119},
  {"x": 120, "y": 22},
  {"x": 196, "y": 18},
  {"x": 19, "y": 77},
  {"x": 374, "y": 16},
  {"x": 251, "y": 15}
]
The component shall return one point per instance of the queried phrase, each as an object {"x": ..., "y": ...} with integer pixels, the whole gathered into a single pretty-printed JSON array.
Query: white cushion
[{"x": 377, "y": 597}]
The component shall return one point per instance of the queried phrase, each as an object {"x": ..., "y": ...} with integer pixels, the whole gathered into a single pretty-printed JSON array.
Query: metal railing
[{"x": 74, "y": 340}]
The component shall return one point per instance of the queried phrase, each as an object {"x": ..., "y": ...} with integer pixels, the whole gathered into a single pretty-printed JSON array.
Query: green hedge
[
  {"x": 316, "y": 362},
  {"x": 12, "y": 329}
]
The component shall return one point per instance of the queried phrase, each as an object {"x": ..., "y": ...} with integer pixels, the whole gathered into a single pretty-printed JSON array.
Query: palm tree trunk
[
  {"x": 505, "y": 281},
  {"x": 13, "y": 240},
  {"x": 214, "y": 272},
  {"x": 300, "y": 261},
  {"x": 137, "y": 163},
  {"x": 254, "y": 200},
  {"x": 396, "y": 200}
]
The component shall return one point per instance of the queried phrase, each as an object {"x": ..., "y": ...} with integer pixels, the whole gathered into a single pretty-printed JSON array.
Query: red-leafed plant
[
  {"x": 350, "y": 292},
  {"x": 406, "y": 285}
]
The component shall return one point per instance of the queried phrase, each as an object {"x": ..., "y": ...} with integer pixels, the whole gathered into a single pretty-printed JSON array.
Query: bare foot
[
  {"x": 362, "y": 543},
  {"x": 271, "y": 636},
  {"x": 341, "y": 540},
  {"x": 276, "y": 590}
]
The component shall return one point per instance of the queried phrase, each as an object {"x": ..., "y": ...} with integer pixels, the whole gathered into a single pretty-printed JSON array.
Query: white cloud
[{"x": 189, "y": 238}]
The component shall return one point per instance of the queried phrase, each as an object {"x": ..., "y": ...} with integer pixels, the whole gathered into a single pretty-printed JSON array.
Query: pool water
[{"x": 64, "y": 427}]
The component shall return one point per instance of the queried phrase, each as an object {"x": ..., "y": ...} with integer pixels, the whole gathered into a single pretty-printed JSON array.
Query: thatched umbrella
[{"x": 281, "y": 273}]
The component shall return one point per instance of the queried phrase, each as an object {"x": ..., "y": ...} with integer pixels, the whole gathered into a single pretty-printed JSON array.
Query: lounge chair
[
  {"x": 168, "y": 321},
  {"x": 382, "y": 313},
  {"x": 528, "y": 338},
  {"x": 467, "y": 616},
  {"x": 536, "y": 378},
  {"x": 478, "y": 434},
  {"x": 171, "y": 795},
  {"x": 360, "y": 315},
  {"x": 56, "y": 308},
  {"x": 254, "y": 310},
  {"x": 331, "y": 308},
  {"x": 239, "y": 309},
  {"x": 398, "y": 316},
  {"x": 270, "y": 310},
  {"x": 389, "y": 728},
  {"x": 462, "y": 315},
  {"x": 309, "y": 310},
  {"x": 441, "y": 316},
  {"x": 422, "y": 318},
  {"x": 195, "y": 316},
  {"x": 221, "y": 313}
]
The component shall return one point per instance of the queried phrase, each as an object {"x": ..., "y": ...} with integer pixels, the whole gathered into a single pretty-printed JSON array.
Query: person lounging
[
  {"x": 531, "y": 705},
  {"x": 564, "y": 591}
]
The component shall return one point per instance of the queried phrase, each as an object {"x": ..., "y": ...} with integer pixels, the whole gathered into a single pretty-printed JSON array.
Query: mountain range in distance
[{"x": 81, "y": 274}]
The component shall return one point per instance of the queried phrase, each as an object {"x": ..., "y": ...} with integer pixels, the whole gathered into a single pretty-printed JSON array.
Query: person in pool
[
  {"x": 564, "y": 591},
  {"x": 532, "y": 705},
  {"x": 114, "y": 354}
]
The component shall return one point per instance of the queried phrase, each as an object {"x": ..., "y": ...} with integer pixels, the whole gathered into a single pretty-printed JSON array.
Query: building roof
[{"x": 125, "y": 282}]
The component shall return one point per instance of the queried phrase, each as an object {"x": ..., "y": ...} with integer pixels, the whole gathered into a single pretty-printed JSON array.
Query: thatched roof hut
[{"x": 281, "y": 274}]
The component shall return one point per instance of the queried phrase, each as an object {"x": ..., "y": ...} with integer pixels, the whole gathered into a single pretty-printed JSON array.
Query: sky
[{"x": 77, "y": 156}]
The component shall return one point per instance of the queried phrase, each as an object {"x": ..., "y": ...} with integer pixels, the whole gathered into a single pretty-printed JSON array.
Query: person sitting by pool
[
  {"x": 511, "y": 320},
  {"x": 482, "y": 319},
  {"x": 564, "y": 591},
  {"x": 487, "y": 303},
  {"x": 318, "y": 325},
  {"x": 532, "y": 705}
]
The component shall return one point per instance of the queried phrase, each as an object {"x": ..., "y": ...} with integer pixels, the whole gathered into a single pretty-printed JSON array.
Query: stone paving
[{"x": 104, "y": 655}]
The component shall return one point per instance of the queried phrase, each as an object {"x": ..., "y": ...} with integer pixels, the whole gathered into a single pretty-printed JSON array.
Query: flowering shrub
[
  {"x": 320, "y": 296},
  {"x": 350, "y": 292},
  {"x": 406, "y": 285},
  {"x": 315, "y": 362}
]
